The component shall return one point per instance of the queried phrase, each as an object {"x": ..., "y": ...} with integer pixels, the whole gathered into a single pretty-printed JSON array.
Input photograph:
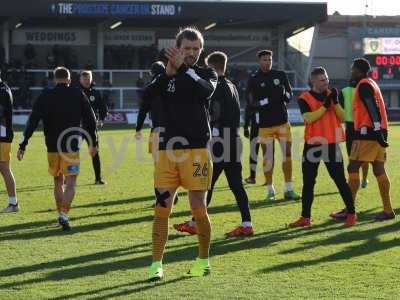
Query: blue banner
[{"x": 115, "y": 9}]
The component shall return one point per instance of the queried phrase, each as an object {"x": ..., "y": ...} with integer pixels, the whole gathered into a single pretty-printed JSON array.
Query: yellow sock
[
  {"x": 203, "y": 231},
  {"x": 287, "y": 168},
  {"x": 354, "y": 184},
  {"x": 160, "y": 231},
  {"x": 384, "y": 188}
]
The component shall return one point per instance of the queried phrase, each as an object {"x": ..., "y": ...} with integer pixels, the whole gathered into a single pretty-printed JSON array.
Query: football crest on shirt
[
  {"x": 277, "y": 81},
  {"x": 262, "y": 84},
  {"x": 92, "y": 98}
]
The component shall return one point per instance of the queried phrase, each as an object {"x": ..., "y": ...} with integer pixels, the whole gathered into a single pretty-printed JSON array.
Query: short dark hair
[
  {"x": 61, "y": 73},
  {"x": 264, "y": 52},
  {"x": 362, "y": 65},
  {"x": 86, "y": 73},
  {"x": 217, "y": 59},
  {"x": 189, "y": 33},
  {"x": 318, "y": 71},
  {"x": 157, "y": 67}
]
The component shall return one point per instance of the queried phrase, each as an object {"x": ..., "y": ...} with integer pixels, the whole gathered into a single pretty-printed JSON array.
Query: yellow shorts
[
  {"x": 5, "y": 151},
  {"x": 189, "y": 168},
  {"x": 154, "y": 140},
  {"x": 67, "y": 164},
  {"x": 367, "y": 151},
  {"x": 280, "y": 132}
]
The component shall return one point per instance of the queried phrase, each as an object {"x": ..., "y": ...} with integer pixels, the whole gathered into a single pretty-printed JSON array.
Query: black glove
[
  {"x": 246, "y": 132},
  {"x": 334, "y": 96},
  {"x": 381, "y": 139},
  {"x": 327, "y": 102}
]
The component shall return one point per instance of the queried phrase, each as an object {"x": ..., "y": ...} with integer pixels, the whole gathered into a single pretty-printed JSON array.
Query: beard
[{"x": 191, "y": 60}]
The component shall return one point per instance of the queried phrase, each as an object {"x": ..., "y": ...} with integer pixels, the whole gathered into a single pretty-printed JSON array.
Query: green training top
[{"x": 348, "y": 95}]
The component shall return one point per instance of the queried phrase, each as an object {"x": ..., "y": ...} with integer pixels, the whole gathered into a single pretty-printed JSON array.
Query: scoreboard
[
  {"x": 384, "y": 67},
  {"x": 384, "y": 56}
]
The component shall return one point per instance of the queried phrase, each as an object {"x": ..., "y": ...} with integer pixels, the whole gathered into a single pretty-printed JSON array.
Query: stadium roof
[{"x": 232, "y": 14}]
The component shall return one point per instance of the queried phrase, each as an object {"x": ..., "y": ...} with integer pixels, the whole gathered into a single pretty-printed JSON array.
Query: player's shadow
[
  {"x": 106, "y": 203},
  {"x": 31, "y": 189},
  {"x": 39, "y": 188},
  {"x": 52, "y": 224},
  {"x": 78, "y": 267},
  {"x": 44, "y": 229},
  {"x": 101, "y": 203},
  {"x": 84, "y": 259},
  {"x": 369, "y": 215},
  {"x": 325, "y": 194},
  {"x": 51, "y": 231},
  {"x": 24, "y": 226},
  {"x": 262, "y": 202},
  {"x": 75, "y": 267},
  {"x": 370, "y": 243},
  {"x": 12, "y": 232},
  {"x": 121, "y": 290},
  {"x": 64, "y": 271}
]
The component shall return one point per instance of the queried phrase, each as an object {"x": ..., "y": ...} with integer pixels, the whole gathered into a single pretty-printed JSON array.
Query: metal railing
[
  {"x": 109, "y": 72},
  {"x": 126, "y": 97},
  {"x": 121, "y": 92}
]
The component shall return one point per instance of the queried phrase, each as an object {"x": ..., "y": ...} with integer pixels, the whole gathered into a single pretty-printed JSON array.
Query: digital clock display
[{"x": 384, "y": 67}]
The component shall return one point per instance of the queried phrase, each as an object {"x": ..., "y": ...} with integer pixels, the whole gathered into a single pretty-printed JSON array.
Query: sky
[{"x": 357, "y": 7}]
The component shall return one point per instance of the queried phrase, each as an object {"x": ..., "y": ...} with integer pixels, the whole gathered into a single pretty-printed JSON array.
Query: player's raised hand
[
  {"x": 174, "y": 56},
  {"x": 327, "y": 102},
  {"x": 20, "y": 154},
  {"x": 334, "y": 96},
  {"x": 170, "y": 69}
]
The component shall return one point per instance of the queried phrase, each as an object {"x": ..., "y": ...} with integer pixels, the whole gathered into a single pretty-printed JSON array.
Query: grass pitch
[{"x": 107, "y": 254}]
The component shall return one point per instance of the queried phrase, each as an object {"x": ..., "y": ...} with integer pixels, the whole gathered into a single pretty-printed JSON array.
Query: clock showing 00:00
[{"x": 385, "y": 67}]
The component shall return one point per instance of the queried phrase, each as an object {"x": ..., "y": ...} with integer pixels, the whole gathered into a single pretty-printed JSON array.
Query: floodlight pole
[
  {"x": 281, "y": 48},
  {"x": 100, "y": 46},
  {"x": 6, "y": 41},
  {"x": 312, "y": 50}
]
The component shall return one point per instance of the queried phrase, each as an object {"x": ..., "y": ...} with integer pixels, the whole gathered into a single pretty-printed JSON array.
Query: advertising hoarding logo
[
  {"x": 374, "y": 45},
  {"x": 382, "y": 45}
]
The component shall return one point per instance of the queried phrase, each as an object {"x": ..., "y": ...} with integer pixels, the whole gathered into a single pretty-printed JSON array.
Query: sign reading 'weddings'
[{"x": 51, "y": 37}]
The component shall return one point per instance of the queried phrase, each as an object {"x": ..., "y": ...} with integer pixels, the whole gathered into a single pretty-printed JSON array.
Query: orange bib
[
  {"x": 327, "y": 129},
  {"x": 361, "y": 116}
]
